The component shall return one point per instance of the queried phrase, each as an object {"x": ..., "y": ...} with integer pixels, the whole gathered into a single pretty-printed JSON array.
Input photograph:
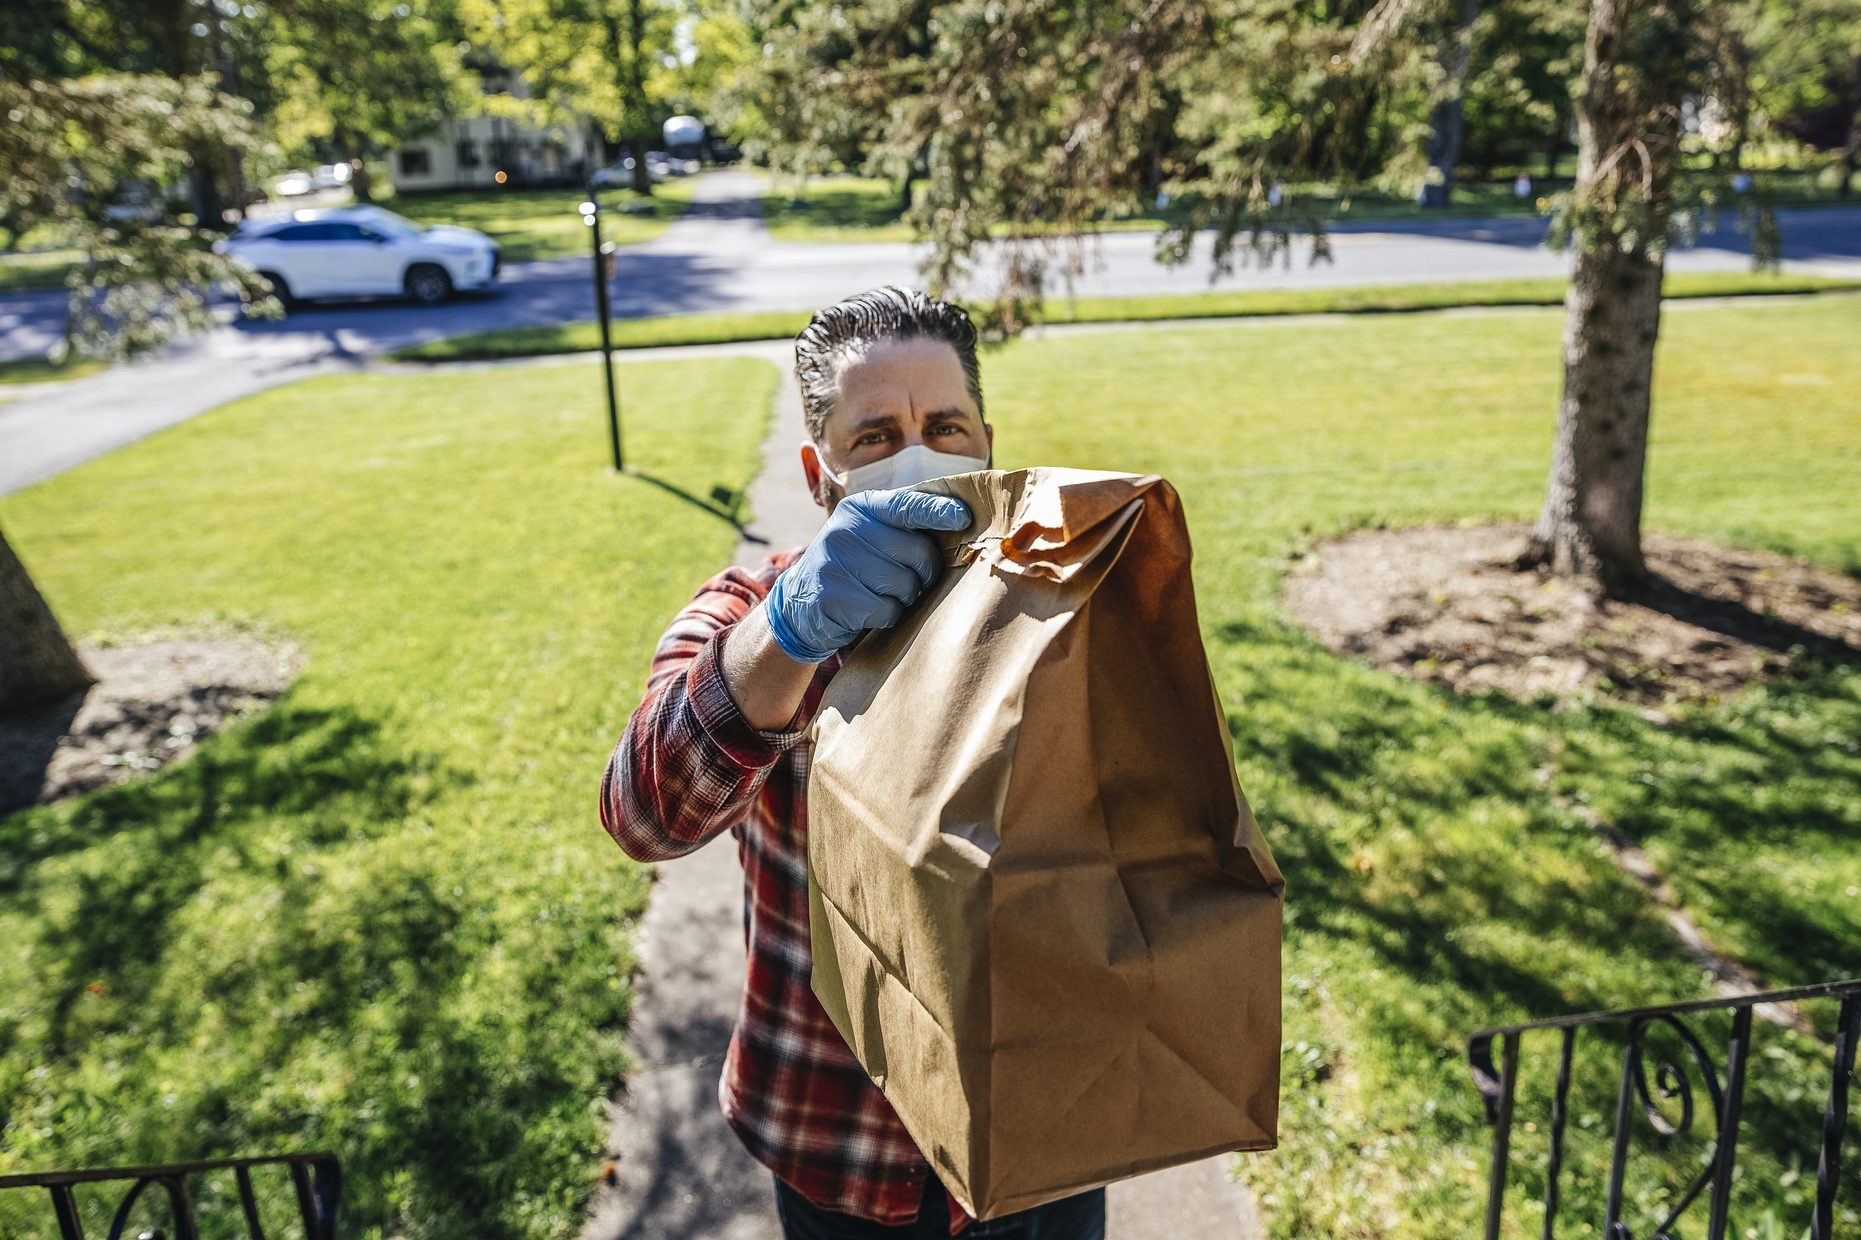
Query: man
[{"x": 892, "y": 395}]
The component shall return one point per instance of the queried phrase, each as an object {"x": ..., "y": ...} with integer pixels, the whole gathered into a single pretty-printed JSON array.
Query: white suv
[{"x": 364, "y": 251}]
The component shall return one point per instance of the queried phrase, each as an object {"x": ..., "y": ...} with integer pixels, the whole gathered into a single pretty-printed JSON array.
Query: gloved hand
[{"x": 866, "y": 565}]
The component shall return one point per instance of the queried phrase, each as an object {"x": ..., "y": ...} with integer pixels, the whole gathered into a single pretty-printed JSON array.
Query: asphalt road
[{"x": 720, "y": 257}]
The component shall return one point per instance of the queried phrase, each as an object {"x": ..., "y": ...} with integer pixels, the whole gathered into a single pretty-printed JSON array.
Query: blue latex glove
[{"x": 868, "y": 563}]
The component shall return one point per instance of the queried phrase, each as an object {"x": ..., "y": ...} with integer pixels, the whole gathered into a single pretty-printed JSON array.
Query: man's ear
[{"x": 811, "y": 470}]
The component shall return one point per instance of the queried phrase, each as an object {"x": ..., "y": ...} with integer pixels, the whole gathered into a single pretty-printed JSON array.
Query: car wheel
[
  {"x": 428, "y": 284},
  {"x": 281, "y": 290}
]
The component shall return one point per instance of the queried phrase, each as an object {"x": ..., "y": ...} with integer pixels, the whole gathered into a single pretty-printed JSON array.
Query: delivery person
[{"x": 892, "y": 395}]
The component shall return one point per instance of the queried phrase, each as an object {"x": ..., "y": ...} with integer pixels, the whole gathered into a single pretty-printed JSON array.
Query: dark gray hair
[{"x": 850, "y": 327}]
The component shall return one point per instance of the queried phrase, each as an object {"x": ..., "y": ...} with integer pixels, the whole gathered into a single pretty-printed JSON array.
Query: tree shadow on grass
[
  {"x": 341, "y": 957},
  {"x": 1418, "y": 838},
  {"x": 110, "y": 876}
]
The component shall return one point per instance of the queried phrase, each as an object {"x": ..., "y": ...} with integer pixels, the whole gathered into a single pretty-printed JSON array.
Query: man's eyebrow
[
  {"x": 870, "y": 420},
  {"x": 952, "y": 412}
]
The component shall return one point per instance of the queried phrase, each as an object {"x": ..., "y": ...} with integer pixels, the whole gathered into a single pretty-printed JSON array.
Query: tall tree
[
  {"x": 1528, "y": 54},
  {"x": 37, "y": 663},
  {"x": 1034, "y": 113},
  {"x": 356, "y": 77},
  {"x": 715, "y": 50},
  {"x": 1641, "y": 61},
  {"x": 88, "y": 157},
  {"x": 1447, "y": 120},
  {"x": 1806, "y": 74},
  {"x": 1035, "y": 120},
  {"x": 603, "y": 59}
]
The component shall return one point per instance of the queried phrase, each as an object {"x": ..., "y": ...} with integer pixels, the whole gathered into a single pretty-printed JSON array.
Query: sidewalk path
[{"x": 681, "y": 1174}]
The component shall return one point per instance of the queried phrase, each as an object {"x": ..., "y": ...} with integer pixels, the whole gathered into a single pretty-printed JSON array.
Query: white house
[{"x": 473, "y": 151}]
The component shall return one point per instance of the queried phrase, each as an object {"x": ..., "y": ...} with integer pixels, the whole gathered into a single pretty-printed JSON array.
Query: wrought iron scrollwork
[
  {"x": 1678, "y": 1082},
  {"x": 1673, "y": 1080},
  {"x": 315, "y": 1178}
]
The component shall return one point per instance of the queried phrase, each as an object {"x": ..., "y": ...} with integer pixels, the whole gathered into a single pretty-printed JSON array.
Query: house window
[
  {"x": 468, "y": 153},
  {"x": 415, "y": 161}
]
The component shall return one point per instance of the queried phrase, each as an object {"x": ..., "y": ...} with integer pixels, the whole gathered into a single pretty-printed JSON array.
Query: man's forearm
[{"x": 766, "y": 684}]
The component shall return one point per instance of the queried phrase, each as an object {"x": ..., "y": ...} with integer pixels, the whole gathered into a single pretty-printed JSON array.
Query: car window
[
  {"x": 347, "y": 232},
  {"x": 393, "y": 225},
  {"x": 296, "y": 232}
]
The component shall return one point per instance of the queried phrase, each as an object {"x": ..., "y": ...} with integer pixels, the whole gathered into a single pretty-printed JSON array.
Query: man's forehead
[{"x": 918, "y": 379}]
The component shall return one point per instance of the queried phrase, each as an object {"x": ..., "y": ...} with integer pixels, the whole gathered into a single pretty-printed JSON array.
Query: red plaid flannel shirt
[{"x": 688, "y": 768}]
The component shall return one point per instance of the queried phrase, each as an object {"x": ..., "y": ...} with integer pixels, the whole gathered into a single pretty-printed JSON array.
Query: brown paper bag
[{"x": 1042, "y": 915}]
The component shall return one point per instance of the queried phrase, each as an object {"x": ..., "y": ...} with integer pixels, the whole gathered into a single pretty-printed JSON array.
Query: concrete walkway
[{"x": 679, "y": 1172}]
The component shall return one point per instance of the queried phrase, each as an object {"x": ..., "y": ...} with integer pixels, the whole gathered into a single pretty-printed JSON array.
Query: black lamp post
[{"x": 603, "y": 269}]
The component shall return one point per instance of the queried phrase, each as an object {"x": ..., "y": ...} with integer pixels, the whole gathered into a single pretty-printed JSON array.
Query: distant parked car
[
  {"x": 331, "y": 176},
  {"x": 364, "y": 251},
  {"x": 619, "y": 174},
  {"x": 294, "y": 184}
]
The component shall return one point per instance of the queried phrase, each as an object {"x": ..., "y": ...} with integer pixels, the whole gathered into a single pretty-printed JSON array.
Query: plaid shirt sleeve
[{"x": 688, "y": 766}]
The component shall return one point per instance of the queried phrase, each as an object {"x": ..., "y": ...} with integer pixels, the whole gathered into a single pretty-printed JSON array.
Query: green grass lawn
[
  {"x": 1228, "y": 303},
  {"x": 36, "y": 269},
  {"x": 843, "y": 207},
  {"x": 44, "y": 370},
  {"x": 1433, "y": 886},
  {"x": 382, "y": 917},
  {"x": 544, "y": 223}
]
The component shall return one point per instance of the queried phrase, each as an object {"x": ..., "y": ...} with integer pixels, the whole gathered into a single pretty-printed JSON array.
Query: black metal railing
[
  {"x": 316, "y": 1177},
  {"x": 1673, "y": 1080}
]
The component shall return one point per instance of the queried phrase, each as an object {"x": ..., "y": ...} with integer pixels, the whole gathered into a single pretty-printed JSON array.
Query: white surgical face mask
[{"x": 916, "y": 463}]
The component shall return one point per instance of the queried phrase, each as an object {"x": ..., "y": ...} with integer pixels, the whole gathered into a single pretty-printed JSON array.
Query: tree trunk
[
  {"x": 360, "y": 183},
  {"x": 1448, "y": 119},
  {"x": 642, "y": 180},
  {"x": 634, "y": 98},
  {"x": 203, "y": 186},
  {"x": 1628, "y": 132},
  {"x": 1851, "y": 149},
  {"x": 37, "y": 663},
  {"x": 1590, "y": 525}
]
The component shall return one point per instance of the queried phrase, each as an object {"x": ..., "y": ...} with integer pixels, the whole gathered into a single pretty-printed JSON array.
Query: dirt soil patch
[
  {"x": 155, "y": 700},
  {"x": 1443, "y": 603}
]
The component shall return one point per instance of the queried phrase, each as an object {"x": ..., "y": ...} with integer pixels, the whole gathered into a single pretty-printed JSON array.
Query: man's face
[{"x": 898, "y": 393}]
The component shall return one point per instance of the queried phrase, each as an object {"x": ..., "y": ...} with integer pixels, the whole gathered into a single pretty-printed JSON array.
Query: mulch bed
[
  {"x": 1442, "y": 603},
  {"x": 156, "y": 698}
]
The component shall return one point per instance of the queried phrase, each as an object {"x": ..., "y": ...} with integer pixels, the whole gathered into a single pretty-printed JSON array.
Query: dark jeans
[{"x": 1079, "y": 1217}]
